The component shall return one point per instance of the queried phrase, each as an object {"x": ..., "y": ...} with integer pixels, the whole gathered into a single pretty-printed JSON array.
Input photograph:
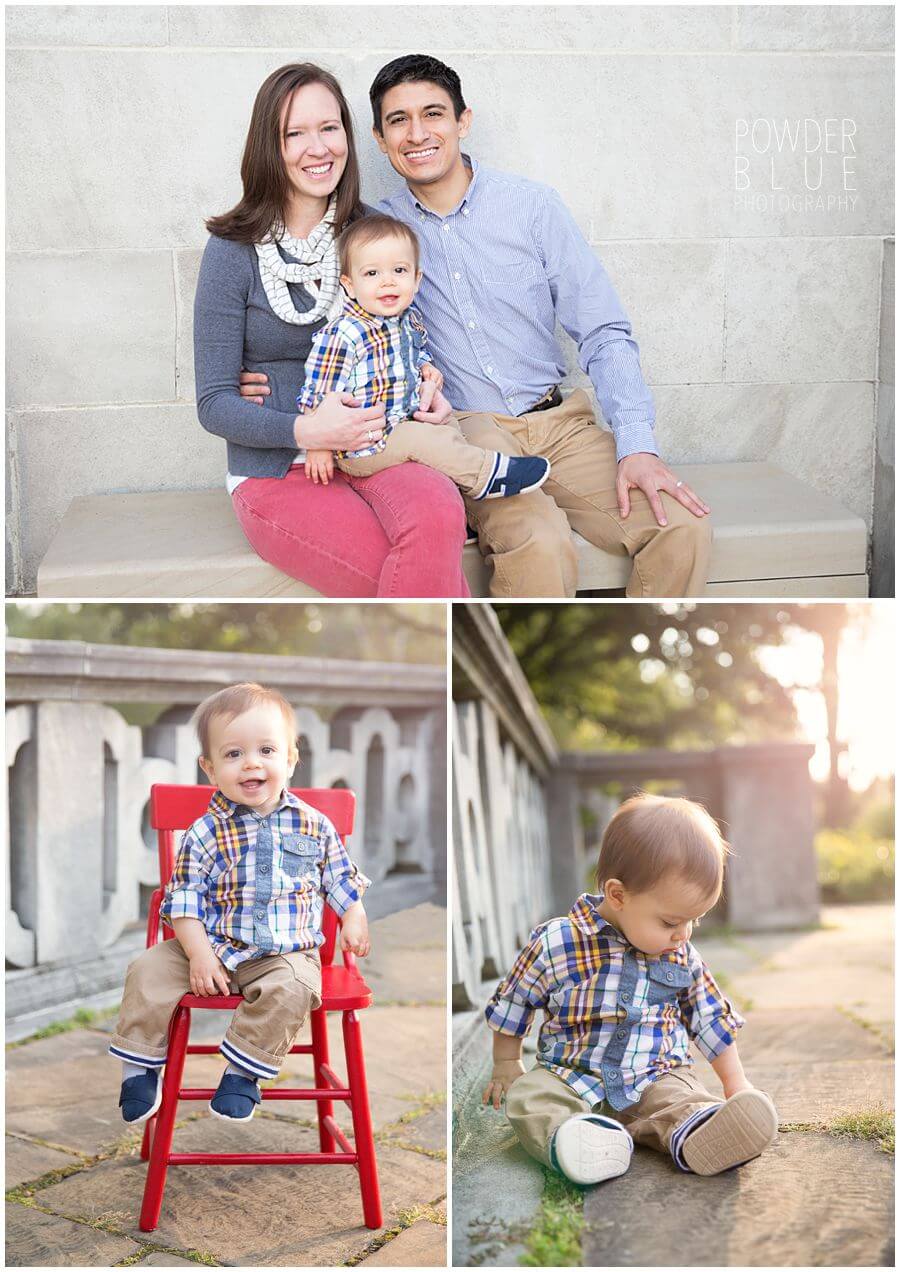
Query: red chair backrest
[{"x": 177, "y": 807}]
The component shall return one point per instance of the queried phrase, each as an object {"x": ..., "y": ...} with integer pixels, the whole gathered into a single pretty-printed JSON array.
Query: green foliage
[
  {"x": 555, "y": 1240},
  {"x": 877, "y": 820},
  {"x": 390, "y": 633},
  {"x": 612, "y": 676},
  {"x": 854, "y": 866},
  {"x": 877, "y": 1126}
]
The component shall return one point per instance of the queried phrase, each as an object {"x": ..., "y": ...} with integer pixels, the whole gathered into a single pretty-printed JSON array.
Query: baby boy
[
  {"x": 377, "y": 351},
  {"x": 245, "y": 902},
  {"x": 624, "y": 991}
]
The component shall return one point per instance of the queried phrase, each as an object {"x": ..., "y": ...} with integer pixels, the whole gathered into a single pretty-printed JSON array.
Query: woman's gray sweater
[{"x": 234, "y": 327}]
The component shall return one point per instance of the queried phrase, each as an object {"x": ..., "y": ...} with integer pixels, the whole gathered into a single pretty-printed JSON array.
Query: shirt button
[
  {"x": 445, "y": 227},
  {"x": 457, "y": 275},
  {"x": 260, "y": 914},
  {"x": 620, "y": 1033},
  {"x": 670, "y": 976},
  {"x": 465, "y": 211},
  {"x": 472, "y": 325},
  {"x": 489, "y": 370},
  {"x": 264, "y": 870},
  {"x": 626, "y": 997}
]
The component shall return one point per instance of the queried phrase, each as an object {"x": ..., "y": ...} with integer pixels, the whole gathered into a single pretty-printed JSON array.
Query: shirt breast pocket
[
  {"x": 666, "y": 982},
  {"x": 299, "y": 861}
]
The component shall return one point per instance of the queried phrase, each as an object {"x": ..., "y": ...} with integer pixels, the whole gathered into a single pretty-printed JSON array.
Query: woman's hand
[
  {"x": 319, "y": 466},
  {"x": 207, "y": 975},
  {"x": 504, "y": 1075},
  {"x": 339, "y": 422}
]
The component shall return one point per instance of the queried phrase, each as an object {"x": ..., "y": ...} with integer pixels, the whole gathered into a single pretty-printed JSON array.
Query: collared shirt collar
[
  {"x": 223, "y": 807},
  {"x": 585, "y": 914},
  {"x": 472, "y": 165},
  {"x": 355, "y": 310}
]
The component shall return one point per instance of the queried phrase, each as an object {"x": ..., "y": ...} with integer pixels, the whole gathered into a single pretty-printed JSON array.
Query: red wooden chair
[{"x": 343, "y": 989}]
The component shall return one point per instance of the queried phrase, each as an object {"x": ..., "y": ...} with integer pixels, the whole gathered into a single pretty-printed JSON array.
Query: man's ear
[
  {"x": 379, "y": 140},
  {"x": 464, "y": 123},
  {"x": 207, "y": 769}
]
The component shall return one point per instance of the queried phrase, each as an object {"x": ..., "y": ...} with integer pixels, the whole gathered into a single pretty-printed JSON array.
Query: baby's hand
[
  {"x": 208, "y": 976},
  {"x": 504, "y": 1075},
  {"x": 432, "y": 382},
  {"x": 355, "y": 934},
  {"x": 319, "y": 466},
  {"x": 433, "y": 406}
]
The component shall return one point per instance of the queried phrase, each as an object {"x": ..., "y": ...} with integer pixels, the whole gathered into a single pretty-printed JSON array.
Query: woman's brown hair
[{"x": 263, "y": 174}]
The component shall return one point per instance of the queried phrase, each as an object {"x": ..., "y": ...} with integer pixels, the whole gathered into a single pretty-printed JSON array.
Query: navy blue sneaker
[
  {"x": 515, "y": 475},
  {"x": 235, "y": 1099},
  {"x": 141, "y": 1096}
]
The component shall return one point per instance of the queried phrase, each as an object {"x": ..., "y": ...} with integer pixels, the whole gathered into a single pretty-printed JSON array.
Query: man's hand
[
  {"x": 355, "y": 930},
  {"x": 319, "y": 466},
  {"x": 437, "y": 410},
  {"x": 504, "y": 1075},
  {"x": 208, "y": 976},
  {"x": 254, "y": 386},
  {"x": 648, "y": 473}
]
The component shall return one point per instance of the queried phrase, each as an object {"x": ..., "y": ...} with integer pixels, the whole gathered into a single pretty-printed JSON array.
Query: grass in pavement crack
[
  {"x": 555, "y": 1239},
  {"x": 871, "y": 1028},
  {"x": 149, "y": 1247},
  {"x": 429, "y": 1212},
  {"x": 83, "y": 1017},
  {"x": 876, "y": 1125}
]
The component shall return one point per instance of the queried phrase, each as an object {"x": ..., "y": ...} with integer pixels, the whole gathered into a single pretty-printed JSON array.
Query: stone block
[
  {"x": 809, "y": 1201},
  {"x": 428, "y": 1131},
  {"x": 76, "y": 24},
  {"x": 187, "y": 269},
  {"x": 27, "y": 1161},
  {"x": 800, "y": 311},
  {"x": 793, "y": 426},
  {"x": 228, "y": 1211},
  {"x": 886, "y": 322},
  {"x": 423, "y": 1245},
  {"x": 89, "y": 327},
  {"x": 62, "y": 454},
  {"x": 34, "y": 1239},
  {"x": 500, "y": 30},
  {"x": 829, "y": 28},
  {"x": 680, "y": 339}
]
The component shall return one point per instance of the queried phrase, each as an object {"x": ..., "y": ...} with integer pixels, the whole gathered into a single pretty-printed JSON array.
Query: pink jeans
[{"x": 398, "y": 533}]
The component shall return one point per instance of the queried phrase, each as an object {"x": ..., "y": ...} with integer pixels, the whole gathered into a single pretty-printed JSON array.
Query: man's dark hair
[{"x": 409, "y": 69}]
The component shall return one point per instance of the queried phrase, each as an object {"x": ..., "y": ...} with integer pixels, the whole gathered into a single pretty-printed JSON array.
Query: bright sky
[{"x": 868, "y": 693}]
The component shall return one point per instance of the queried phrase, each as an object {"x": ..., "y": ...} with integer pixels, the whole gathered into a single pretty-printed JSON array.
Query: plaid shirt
[
  {"x": 258, "y": 884},
  {"x": 616, "y": 1019},
  {"x": 376, "y": 359}
]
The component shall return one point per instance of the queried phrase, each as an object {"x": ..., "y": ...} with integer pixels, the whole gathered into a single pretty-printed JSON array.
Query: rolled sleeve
[
  {"x": 526, "y": 989},
  {"x": 187, "y": 890},
  {"x": 708, "y": 1016},
  {"x": 343, "y": 883}
]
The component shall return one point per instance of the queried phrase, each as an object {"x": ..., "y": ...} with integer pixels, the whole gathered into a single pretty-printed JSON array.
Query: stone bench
[{"x": 774, "y": 536}]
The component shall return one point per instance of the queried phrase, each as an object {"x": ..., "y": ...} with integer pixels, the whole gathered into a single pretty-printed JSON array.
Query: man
[{"x": 503, "y": 261}]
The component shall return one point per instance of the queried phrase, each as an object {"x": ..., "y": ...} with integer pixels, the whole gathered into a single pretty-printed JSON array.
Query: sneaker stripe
[
  {"x": 680, "y": 1134},
  {"x": 490, "y": 480},
  {"x": 230, "y": 1052},
  {"x": 149, "y": 1062}
]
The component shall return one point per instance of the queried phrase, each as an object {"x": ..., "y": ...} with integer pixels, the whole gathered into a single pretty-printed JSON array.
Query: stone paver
[
  {"x": 34, "y": 1239},
  {"x": 29, "y": 1161},
  {"x": 160, "y": 1260},
  {"x": 422, "y": 1245},
  {"x": 812, "y": 1201},
  {"x": 64, "y": 1090}
]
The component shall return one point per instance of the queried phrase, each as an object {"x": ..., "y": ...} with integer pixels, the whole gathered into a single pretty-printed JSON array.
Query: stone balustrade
[{"x": 80, "y": 854}]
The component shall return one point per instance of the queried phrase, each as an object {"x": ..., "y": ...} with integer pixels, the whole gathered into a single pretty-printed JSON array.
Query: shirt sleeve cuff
[
  {"x": 507, "y": 1017},
  {"x": 344, "y": 893},
  {"x": 634, "y": 439},
  {"x": 183, "y": 903},
  {"x": 717, "y": 1035}
]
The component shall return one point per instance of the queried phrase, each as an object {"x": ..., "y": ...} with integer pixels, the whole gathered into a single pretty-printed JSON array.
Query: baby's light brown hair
[
  {"x": 651, "y": 837},
  {"x": 369, "y": 229},
  {"x": 234, "y": 701}
]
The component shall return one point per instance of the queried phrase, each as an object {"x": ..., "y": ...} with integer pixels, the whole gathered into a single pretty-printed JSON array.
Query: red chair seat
[{"x": 343, "y": 989}]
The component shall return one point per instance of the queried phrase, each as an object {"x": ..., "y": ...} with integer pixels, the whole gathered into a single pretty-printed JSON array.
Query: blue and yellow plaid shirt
[
  {"x": 258, "y": 884},
  {"x": 376, "y": 359},
  {"x": 616, "y": 1019}
]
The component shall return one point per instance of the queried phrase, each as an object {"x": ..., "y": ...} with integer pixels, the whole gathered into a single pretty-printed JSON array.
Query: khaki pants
[
  {"x": 438, "y": 446},
  {"x": 540, "y": 1101},
  {"x": 279, "y": 991},
  {"x": 527, "y": 539}
]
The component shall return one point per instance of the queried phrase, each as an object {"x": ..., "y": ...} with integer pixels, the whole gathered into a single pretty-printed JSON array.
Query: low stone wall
[{"x": 80, "y": 854}]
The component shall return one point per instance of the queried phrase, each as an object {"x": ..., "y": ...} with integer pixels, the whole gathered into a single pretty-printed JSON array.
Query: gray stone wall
[
  {"x": 883, "y": 579},
  {"x": 757, "y": 312}
]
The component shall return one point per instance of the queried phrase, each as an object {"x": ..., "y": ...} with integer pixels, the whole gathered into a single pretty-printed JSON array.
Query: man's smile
[{"x": 419, "y": 156}]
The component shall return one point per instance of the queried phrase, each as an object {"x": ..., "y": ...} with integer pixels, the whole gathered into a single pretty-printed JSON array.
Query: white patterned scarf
[{"x": 316, "y": 268}]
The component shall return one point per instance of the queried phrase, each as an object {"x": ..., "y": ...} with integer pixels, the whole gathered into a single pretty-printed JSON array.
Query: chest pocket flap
[
  {"x": 666, "y": 980},
  {"x": 299, "y": 855}
]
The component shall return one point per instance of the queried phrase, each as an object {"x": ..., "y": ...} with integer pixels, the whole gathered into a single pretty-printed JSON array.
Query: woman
[{"x": 268, "y": 281}]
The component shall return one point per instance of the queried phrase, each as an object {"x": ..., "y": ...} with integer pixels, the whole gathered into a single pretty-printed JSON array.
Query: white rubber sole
[
  {"x": 145, "y": 1117},
  {"x": 587, "y": 1153},
  {"x": 738, "y": 1131},
  {"x": 223, "y": 1117}
]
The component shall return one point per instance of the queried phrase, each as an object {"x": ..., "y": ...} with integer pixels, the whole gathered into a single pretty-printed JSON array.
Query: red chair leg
[
  {"x": 325, "y": 1108},
  {"x": 362, "y": 1121},
  {"x": 148, "y": 1138},
  {"x": 165, "y": 1120}
]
